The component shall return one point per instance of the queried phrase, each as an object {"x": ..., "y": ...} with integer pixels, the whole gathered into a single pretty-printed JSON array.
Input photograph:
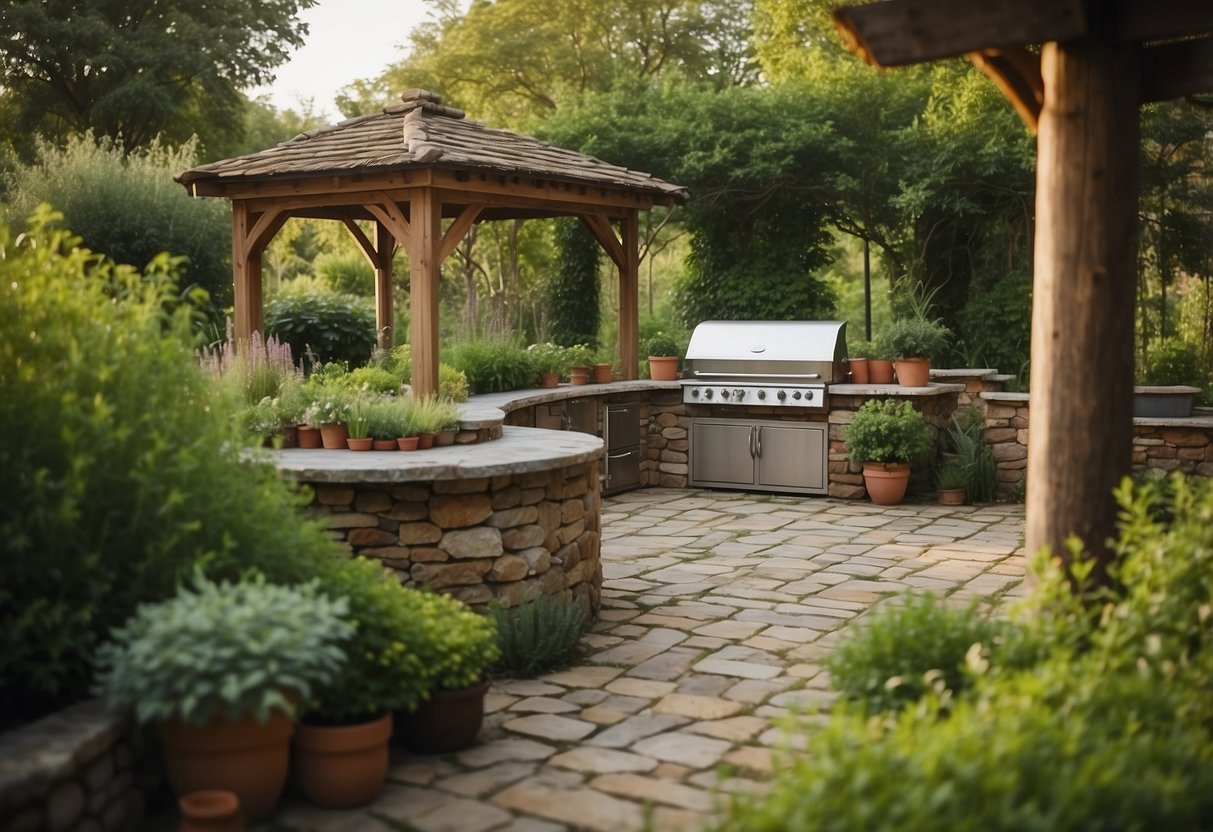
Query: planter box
[{"x": 1163, "y": 402}]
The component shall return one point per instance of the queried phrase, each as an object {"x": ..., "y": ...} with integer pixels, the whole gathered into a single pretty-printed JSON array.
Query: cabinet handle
[
  {"x": 752, "y": 454},
  {"x": 620, "y": 455},
  {"x": 758, "y": 428}
]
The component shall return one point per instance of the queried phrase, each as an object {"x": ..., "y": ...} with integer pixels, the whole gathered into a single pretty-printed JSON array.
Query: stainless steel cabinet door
[
  {"x": 720, "y": 453},
  {"x": 791, "y": 457}
]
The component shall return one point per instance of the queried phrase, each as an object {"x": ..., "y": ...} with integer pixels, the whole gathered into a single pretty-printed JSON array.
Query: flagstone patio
[{"x": 717, "y": 608}]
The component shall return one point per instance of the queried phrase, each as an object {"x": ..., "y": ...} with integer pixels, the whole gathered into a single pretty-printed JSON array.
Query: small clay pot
[
  {"x": 408, "y": 443},
  {"x": 333, "y": 436},
  {"x": 211, "y": 810},
  {"x": 444, "y": 437},
  {"x": 385, "y": 444},
  {"x": 425, "y": 441},
  {"x": 308, "y": 436},
  {"x": 602, "y": 373},
  {"x": 549, "y": 379},
  {"x": 363, "y": 444}
]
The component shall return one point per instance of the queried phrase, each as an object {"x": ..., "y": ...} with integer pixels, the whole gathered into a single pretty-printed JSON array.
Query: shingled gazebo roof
[{"x": 421, "y": 132}]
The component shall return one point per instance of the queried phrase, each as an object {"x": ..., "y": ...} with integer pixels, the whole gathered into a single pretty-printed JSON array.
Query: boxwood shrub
[
  {"x": 122, "y": 468},
  {"x": 324, "y": 327}
]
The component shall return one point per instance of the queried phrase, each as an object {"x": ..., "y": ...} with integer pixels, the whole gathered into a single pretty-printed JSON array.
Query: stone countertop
[
  {"x": 514, "y": 399},
  {"x": 932, "y": 389},
  {"x": 518, "y": 451}
]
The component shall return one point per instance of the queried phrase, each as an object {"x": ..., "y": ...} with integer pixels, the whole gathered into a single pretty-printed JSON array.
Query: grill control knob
[
  {"x": 796, "y": 395},
  {"x": 707, "y": 394},
  {"x": 808, "y": 395},
  {"x": 762, "y": 394},
  {"x": 781, "y": 395},
  {"x": 738, "y": 393},
  {"x": 694, "y": 392},
  {"x": 724, "y": 394}
]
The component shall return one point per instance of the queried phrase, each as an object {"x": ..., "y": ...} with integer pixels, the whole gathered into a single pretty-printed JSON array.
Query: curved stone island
[{"x": 513, "y": 518}]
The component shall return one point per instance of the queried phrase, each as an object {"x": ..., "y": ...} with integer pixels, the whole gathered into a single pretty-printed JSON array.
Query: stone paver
[{"x": 718, "y": 608}]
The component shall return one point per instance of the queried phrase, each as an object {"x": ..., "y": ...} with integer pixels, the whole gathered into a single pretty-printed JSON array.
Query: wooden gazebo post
[{"x": 1086, "y": 91}]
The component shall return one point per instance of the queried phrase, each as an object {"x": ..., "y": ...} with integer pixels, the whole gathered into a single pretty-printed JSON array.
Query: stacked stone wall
[
  {"x": 665, "y": 430},
  {"x": 1173, "y": 449},
  {"x": 511, "y": 537},
  {"x": 77, "y": 770},
  {"x": 1006, "y": 419}
]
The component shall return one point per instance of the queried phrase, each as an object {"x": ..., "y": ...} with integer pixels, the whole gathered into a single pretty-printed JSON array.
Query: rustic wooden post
[
  {"x": 246, "y": 275},
  {"x": 385, "y": 247},
  {"x": 1081, "y": 434},
  {"x": 629, "y": 294},
  {"x": 425, "y": 222}
]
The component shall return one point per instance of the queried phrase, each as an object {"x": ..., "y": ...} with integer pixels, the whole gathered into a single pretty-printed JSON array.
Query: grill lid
[{"x": 795, "y": 351}]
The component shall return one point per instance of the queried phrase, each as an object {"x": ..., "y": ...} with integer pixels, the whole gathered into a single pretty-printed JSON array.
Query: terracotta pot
[
  {"x": 342, "y": 766},
  {"x": 602, "y": 373},
  {"x": 444, "y": 437},
  {"x": 913, "y": 372},
  {"x": 449, "y": 721},
  {"x": 408, "y": 443},
  {"x": 363, "y": 444},
  {"x": 886, "y": 481},
  {"x": 579, "y": 375},
  {"x": 385, "y": 444},
  {"x": 880, "y": 371},
  {"x": 859, "y": 370},
  {"x": 333, "y": 436},
  {"x": 549, "y": 379},
  {"x": 663, "y": 367},
  {"x": 308, "y": 436},
  {"x": 213, "y": 810},
  {"x": 286, "y": 436},
  {"x": 424, "y": 441},
  {"x": 951, "y": 496},
  {"x": 243, "y": 757}
]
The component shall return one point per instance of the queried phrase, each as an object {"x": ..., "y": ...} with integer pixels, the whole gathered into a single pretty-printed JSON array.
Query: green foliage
[
  {"x": 493, "y": 365},
  {"x": 907, "y": 647},
  {"x": 914, "y": 338},
  {"x": 128, "y": 469},
  {"x": 222, "y": 652},
  {"x": 537, "y": 635},
  {"x": 1103, "y": 724},
  {"x": 134, "y": 72},
  {"x": 323, "y": 327},
  {"x": 547, "y": 358},
  {"x": 373, "y": 380},
  {"x": 329, "y": 398},
  {"x": 996, "y": 323},
  {"x": 346, "y": 273},
  {"x": 572, "y": 291},
  {"x": 386, "y": 656},
  {"x": 1173, "y": 361},
  {"x": 387, "y": 418},
  {"x": 431, "y": 415},
  {"x": 887, "y": 431},
  {"x": 87, "y": 181},
  {"x": 456, "y": 645},
  {"x": 452, "y": 384},
  {"x": 952, "y": 474},
  {"x": 967, "y": 436},
  {"x": 660, "y": 344}
]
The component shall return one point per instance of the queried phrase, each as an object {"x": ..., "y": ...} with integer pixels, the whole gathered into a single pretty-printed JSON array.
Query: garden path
[{"x": 717, "y": 608}]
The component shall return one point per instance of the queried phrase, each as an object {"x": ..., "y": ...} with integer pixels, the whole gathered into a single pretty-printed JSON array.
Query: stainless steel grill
[{"x": 764, "y": 363}]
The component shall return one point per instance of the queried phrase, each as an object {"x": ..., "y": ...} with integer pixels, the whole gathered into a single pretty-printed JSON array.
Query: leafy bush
[
  {"x": 572, "y": 292},
  {"x": 387, "y": 418},
  {"x": 374, "y": 380},
  {"x": 224, "y": 651},
  {"x": 952, "y": 474},
  {"x": 659, "y": 344},
  {"x": 967, "y": 436},
  {"x": 537, "y": 635},
  {"x": 456, "y": 645},
  {"x": 346, "y": 273},
  {"x": 547, "y": 358},
  {"x": 452, "y": 381},
  {"x": 887, "y": 431},
  {"x": 430, "y": 415},
  {"x": 323, "y": 327},
  {"x": 913, "y": 338},
  {"x": 128, "y": 206},
  {"x": 123, "y": 468},
  {"x": 1104, "y": 725},
  {"x": 452, "y": 384},
  {"x": 1173, "y": 361},
  {"x": 909, "y": 647},
  {"x": 996, "y": 325}
]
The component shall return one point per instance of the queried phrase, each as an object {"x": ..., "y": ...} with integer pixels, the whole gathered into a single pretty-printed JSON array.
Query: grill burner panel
[{"x": 764, "y": 363}]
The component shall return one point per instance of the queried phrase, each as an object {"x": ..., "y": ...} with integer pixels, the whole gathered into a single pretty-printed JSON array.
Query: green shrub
[
  {"x": 659, "y": 344},
  {"x": 347, "y": 273},
  {"x": 572, "y": 292},
  {"x": 122, "y": 470},
  {"x": 537, "y": 635},
  {"x": 455, "y": 644},
  {"x": 1173, "y": 361},
  {"x": 323, "y": 327},
  {"x": 430, "y": 415},
  {"x": 906, "y": 648},
  {"x": 452, "y": 384},
  {"x": 452, "y": 381},
  {"x": 547, "y": 357},
  {"x": 913, "y": 338},
  {"x": 387, "y": 418},
  {"x": 996, "y": 325},
  {"x": 223, "y": 651},
  {"x": 493, "y": 365},
  {"x": 129, "y": 207},
  {"x": 952, "y": 474},
  {"x": 374, "y": 380},
  {"x": 887, "y": 431},
  {"x": 967, "y": 436}
]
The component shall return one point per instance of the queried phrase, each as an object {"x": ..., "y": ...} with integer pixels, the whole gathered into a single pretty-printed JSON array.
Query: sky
[{"x": 347, "y": 40}]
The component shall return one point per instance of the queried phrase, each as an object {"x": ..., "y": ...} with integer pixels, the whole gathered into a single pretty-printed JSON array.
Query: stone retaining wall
[
  {"x": 72, "y": 771},
  {"x": 512, "y": 537}
]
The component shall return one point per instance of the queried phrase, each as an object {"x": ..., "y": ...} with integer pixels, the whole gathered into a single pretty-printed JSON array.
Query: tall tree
[{"x": 135, "y": 69}]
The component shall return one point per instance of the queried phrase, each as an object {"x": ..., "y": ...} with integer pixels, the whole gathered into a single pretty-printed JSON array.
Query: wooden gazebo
[
  {"x": 1098, "y": 62},
  {"x": 424, "y": 174}
]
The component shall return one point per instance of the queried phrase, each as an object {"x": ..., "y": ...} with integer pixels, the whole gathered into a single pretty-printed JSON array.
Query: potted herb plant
[
  {"x": 662, "y": 351},
  {"x": 219, "y": 670},
  {"x": 952, "y": 480},
  {"x": 579, "y": 356},
  {"x": 358, "y": 424},
  {"x": 341, "y": 746},
  {"x": 431, "y": 416},
  {"x": 457, "y": 647},
  {"x": 386, "y": 423},
  {"x": 885, "y": 436},
  {"x": 913, "y": 342},
  {"x": 547, "y": 360},
  {"x": 857, "y": 360},
  {"x": 328, "y": 409}
]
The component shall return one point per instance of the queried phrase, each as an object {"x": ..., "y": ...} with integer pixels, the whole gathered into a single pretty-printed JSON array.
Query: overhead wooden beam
[
  {"x": 1016, "y": 73},
  {"x": 601, "y": 228},
  {"x": 387, "y": 211},
  {"x": 268, "y": 223},
  {"x": 1176, "y": 70},
  {"x": 1083, "y": 307},
  {"x": 903, "y": 32},
  {"x": 1144, "y": 20},
  {"x": 369, "y": 249},
  {"x": 456, "y": 230}
]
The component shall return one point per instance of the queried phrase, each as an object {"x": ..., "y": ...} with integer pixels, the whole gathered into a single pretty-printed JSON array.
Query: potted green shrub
[
  {"x": 885, "y": 436},
  {"x": 219, "y": 669},
  {"x": 341, "y": 746},
  {"x": 662, "y": 351},
  {"x": 457, "y": 646},
  {"x": 547, "y": 360},
  {"x": 387, "y": 422},
  {"x": 358, "y": 424},
  {"x": 857, "y": 360},
  {"x": 579, "y": 357},
  {"x": 952, "y": 479},
  {"x": 431, "y": 416},
  {"x": 328, "y": 409},
  {"x": 913, "y": 342}
]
